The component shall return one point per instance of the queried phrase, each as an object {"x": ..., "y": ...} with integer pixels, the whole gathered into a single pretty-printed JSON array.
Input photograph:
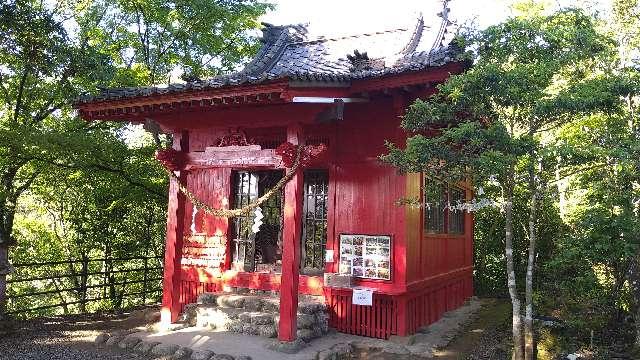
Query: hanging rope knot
[
  {"x": 308, "y": 154},
  {"x": 171, "y": 159}
]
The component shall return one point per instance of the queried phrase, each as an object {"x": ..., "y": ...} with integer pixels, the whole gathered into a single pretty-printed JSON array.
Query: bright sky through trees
[{"x": 343, "y": 17}]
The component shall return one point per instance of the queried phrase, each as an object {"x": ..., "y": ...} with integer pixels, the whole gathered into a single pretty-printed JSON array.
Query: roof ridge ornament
[
  {"x": 362, "y": 62},
  {"x": 295, "y": 32},
  {"x": 415, "y": 37},
  {"x": 446, "y": 22}
]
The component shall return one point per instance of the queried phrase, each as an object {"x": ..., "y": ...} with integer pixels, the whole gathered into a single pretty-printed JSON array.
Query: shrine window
[
  {"x": 435, "y": 201},
  {"x": 261, "y": 251},
  {"x": 440, "y": 213},
  {"x": 245, "y": 191},
  {"x": 314, "y": 221},
  {"x": 456, "y": 216}
]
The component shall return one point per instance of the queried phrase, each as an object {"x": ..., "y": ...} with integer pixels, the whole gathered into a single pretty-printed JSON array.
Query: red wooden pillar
[
  {"x": 174, "y": 239},
  {"x": 291, "y": 235},
  {"x": 400, "y": 246}
]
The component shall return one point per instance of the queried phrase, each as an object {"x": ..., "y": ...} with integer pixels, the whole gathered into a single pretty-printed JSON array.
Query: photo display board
[{"x": 366, "y": 256}]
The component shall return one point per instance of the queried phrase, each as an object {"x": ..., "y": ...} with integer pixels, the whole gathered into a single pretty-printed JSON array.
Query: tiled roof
[{"x": 288, "y": 52}]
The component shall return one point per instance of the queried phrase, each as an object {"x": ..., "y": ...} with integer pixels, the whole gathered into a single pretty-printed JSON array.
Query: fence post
[
  {"x": 5, "y": 269},
  {"x": 144, "y": 280}
]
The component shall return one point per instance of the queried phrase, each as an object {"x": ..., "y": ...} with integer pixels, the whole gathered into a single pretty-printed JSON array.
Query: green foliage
[
  {"x": 550, "y": 100},
  {"x": 72, "y": 190},
  {"x": 148, "y": 39},
  {"x": 41, "y": 69},
  {"x": 591, "y": 268},
  {"x": 489, "y": 259},
  {"x": 530, "y": 74}
]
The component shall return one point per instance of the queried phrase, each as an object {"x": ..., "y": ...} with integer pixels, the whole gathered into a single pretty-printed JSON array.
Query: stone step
[
  {"x": 265, "y": 303},
  {"x": 208, "y": 315},
  {"x": 255, "y": 314}
]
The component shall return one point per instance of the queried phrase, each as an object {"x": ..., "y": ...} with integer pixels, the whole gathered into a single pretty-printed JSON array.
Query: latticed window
[
  {"x": 435, "y": 198},
  {"x": 251, "y": 249},
  {"x": 456, "y": 216},
  {"x": 314, "y": 221},
  {"x": 440, "y": 214},
  {"x": 246, "y": 191}
]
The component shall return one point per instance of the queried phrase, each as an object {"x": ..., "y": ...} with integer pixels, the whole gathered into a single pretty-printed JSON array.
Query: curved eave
[
  {"x": 426, "y": 76},
  {"x": 137, "y": 108}
]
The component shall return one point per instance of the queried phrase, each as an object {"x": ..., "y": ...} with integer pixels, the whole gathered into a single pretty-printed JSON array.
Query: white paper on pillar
[
  {"x": 362, "y": 296},
  {"x": 328, "y": 256}
]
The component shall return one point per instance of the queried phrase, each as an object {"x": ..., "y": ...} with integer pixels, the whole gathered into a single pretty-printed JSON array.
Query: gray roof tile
[{"x": 288, "y": 53}]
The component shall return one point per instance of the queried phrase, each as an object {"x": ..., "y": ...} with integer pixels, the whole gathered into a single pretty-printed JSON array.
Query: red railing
[{"x": 379, "y": 320}]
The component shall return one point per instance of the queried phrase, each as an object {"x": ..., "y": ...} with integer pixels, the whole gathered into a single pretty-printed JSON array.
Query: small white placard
[
  {"x": 362, "y": 296},
  {"x": 328, "y": 256}
]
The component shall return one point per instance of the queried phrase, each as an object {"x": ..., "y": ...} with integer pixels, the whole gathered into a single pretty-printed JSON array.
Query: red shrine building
[{"x": 339, "y": 213}]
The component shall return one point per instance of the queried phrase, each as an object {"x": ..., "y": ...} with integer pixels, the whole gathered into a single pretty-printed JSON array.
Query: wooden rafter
[{"x": 237, "y": 95}]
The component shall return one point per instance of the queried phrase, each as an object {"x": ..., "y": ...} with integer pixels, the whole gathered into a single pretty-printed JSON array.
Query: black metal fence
[{"x": 83, "y": 285}]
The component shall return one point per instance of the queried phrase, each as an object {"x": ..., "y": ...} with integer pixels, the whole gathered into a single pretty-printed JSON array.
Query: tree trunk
[
  {"x": 528, "y": 318},
  {"x": 511, "y": 276},
  {"x": 634, "y": 281},
  {"x": 4, "y": 270},
  {"x": 635, "y": 261},
  {"x": 7, "y": 214}
]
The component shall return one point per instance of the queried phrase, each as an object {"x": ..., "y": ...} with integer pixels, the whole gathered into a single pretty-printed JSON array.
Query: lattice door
[
  {"x": 245, "y": 191},
  {"x": 314, "y": 221}
]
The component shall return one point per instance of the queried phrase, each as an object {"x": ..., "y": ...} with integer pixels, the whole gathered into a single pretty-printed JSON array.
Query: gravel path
[{"x": 68, "y": 338}]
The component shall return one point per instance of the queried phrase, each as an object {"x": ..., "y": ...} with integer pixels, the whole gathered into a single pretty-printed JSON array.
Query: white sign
[
  {"x": 362, "y": 296},
  {"x": 328, "y": 256}
]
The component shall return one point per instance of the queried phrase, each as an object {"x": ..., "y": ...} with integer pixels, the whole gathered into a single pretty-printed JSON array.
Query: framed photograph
[
  {"x": 366, "y": 256},
  {"x": 346, "y": 250},
  {"x": 358, "y": 261},
  {"x": 357, "y": 271},
  {"x": 345, "y": 267},
  {"x": 357, "y": 250}
]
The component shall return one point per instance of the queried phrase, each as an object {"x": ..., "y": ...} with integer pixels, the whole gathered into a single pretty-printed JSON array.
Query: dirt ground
[
  {"x": 71, "y": 337},
  {"x": 483, "y": 338},
  {"x": 65, "y": 338}
]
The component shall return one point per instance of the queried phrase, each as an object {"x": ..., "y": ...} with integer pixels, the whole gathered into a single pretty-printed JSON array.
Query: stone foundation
[{"x": 255, "y": 314}]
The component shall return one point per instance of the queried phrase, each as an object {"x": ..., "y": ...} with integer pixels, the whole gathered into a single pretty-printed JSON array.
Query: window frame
[
  {"x": 446, "y": 213},
  {"x": 314, "y": 176}
]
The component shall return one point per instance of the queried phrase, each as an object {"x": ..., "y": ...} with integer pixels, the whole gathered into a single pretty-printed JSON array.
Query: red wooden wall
[
  {"x": 430, "y": 274},
  {"x": 439, "y": 266},
  {"x": 365, "y": 189}
]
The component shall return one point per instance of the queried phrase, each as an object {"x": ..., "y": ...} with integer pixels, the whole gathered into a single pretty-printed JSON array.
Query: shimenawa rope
[{"x": 228, "y": 213}]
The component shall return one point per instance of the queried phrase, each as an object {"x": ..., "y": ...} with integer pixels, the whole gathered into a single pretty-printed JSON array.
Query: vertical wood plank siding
[
  {"x": 431, "y": 273},
  {"x": 377, "y": 321}
]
